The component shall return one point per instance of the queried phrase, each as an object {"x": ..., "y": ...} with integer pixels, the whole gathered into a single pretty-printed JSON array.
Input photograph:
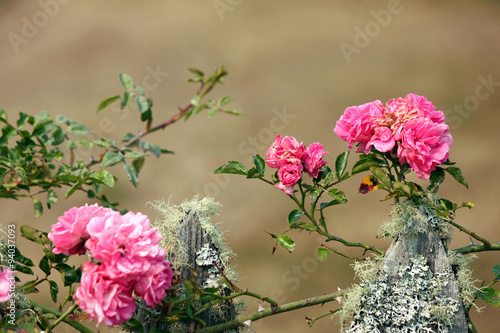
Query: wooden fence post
[{"x": 197, "y": 251}]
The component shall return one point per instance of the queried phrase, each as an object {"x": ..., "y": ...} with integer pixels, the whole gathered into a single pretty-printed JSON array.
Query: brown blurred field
[{"x": 283, "y": 57}]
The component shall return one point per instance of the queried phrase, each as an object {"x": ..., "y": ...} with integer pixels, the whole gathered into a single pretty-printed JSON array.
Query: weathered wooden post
[
  {"x": 415, "y": 288},
  {"x": 196, "y": 249}
]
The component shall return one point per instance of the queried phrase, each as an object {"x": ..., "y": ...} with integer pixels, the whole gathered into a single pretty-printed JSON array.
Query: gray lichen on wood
[
  {"x": 194, "y": 243},
  {"x": 415, "y": 288}
]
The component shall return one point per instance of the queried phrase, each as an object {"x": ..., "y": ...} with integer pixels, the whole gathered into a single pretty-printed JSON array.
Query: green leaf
[
  {"x": 103, "y": 176},
  {"x": 496, "y": 271},
  {"x": 105, "y": 103},
  {"x": 75, "y": 187},
  {"x": 437, "y": 177},
  {"x": 132, "y": 174},
  {"x": 58, "y": 136},
  {"x": 103, "y": 142},
  {"x": 22, "y": 259},
  {"x": 134, "y": 154},
  {"x": 469, "y": 205},
  {"x": 212, "y": 112},
  {"x": 51, "y": 197},
  {"x": 54, "y": 290},
  {"x": 111, "y": 158},
  {"x": 233, "y": 167},
  {"x": 490, "y": 295},
  {"x": 31, "y": 234},
  {"x": 253, "y": 173},
  {"x": 138, "y": 163},
  {"x": 68, "y": 273},
  {"x": 381, "y": 175},
  {"x": 24, "y": 269},
  {"x": 365, "y": 164},
  {"x": 20, "y": 171},
  {"x": 338, "y": 195},
  {"x": 323, "y": 253},
  {"x": 155, "y": 150},
  {"x": 448, "y": 205},
  {"x": 403, "y": 187},
  {"x": 78, "y": 129},
  {"x": 260, "y": 164},
  {"x": 234, "y": 112},
  {"x": 45, "y": 265},
  {"x": 294, "y": 216},
  {"x": 286, "y": 242},
  {"x": 142, "y": 103},
  {"x": 126, "y": 81},
  {"x": 23, "y": 119},
  {"x": 38, "y": 207},
  {"x": 3, "y": 116},
  {"x": 84, "y": 143},
  {"x": 341, "y": 164},
  {"x": 125, "y": 100},
  {"x": 139, "y": 90},
  {"x": 457, "y": 174}
]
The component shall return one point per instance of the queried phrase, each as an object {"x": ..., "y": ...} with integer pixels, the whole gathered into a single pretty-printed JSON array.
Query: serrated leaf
[
  {"x": 138, "y": 163},
  {"x": 54, "y": 290},
  {"x": 457, "y": 174},
  {"x": 294, "y": 216},
  {"x": 232, "y": 167},
  {"x": 51, "y": 197},
  {"x": 20, "y": 171},
  {"x": 75, "y": 187},
  {"x": 111, "y": 158},
  {"x": 338, "y": 195},
  {"x": 22, "y": 259},
  {"x": 341, "y": 164},
  {"x": 260, "y": 164},
  {"x": 496, "y": 271},
  {"x": 103, "y": 176},
  {"x": 381, "y": 175},
  {"x": 126, "y": 81},
  {"x": 3, "y": 116},
  {"x": 45, "y": 265},
  {"x": 365, "y": 164},
  {"x": 31, "y": 234},
  {"x": 38, "y": 207},
  {"x": 490, "y": 295},
  {"x": 437, "y": 177},
  {"x": 69, "y": 275},
  {"x": 132, "y": 174},
  {"x": 286, "y": 242},
  {"x": 105, "y": 103},
  {"x": 323, "y": 253}
]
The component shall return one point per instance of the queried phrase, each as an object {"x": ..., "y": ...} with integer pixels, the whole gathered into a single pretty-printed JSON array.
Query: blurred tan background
[{"x": 294, "y": 66}]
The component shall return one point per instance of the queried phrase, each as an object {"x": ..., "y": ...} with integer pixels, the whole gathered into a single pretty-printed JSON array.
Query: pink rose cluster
[
  {"x": 6, "y": 280},
  {"x": 126, "y": 260},
  {"x": 410, "y": 127},
  {"x": 291, "y": 158}
]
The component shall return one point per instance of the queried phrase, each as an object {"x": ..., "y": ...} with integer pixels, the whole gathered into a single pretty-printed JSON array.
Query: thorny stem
[
  {"x": 62, "y": 317},
  {"x": 340, "y": 253},
  {"x": 75, "y": 324},
  {"x": 478, "y": 248},
  {"x": 269, "y": 312},
  {"x": 472, "y": 234},
  {"x": 311, "y": 321}
]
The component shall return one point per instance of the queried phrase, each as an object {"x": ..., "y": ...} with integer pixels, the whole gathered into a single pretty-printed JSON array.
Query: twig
[
  {"x": 470, "y": 233},
  {"x": 269, "y": 312},
  {"x": 478, "y": 248},
  {"x": 311, "y": 321},
  {"x": 74, "y": 324}
]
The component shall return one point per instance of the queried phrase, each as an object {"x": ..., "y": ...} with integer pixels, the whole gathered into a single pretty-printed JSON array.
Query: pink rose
[
  {"x": 284, "y": 150},
  {"x": 424, "y": 145},
  {"x": 126, "y": 245},
  {"x": 6, "y": 279},
  {"x": 153, "y": 285},
  {"x": 357, "y": 123},
  {"x": 289, "y": 174},
  {"x": 104, "y": 298},
  {"x": 383, "y": 139},
  {"x": 69, "y": 234},
  {"x": 313, "y": 159}
]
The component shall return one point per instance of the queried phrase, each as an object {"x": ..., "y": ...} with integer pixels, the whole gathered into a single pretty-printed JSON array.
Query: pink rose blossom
[
  {"x": 69, "y": 234},
  {"x": 289, "y": 174},
  {"x": 6, "y": 279},
  {"x": 357, "y": 123},
  {"x": 424, "y": 145},
  {"x": 104, "y": 298},
  {"x": 383, "y": 139},
  {"x": 126, "y": 245},
  {"x": 153, "y": 285},
  {"x": 284, "y": 150},
  {"x": 313, "y": 159}
]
